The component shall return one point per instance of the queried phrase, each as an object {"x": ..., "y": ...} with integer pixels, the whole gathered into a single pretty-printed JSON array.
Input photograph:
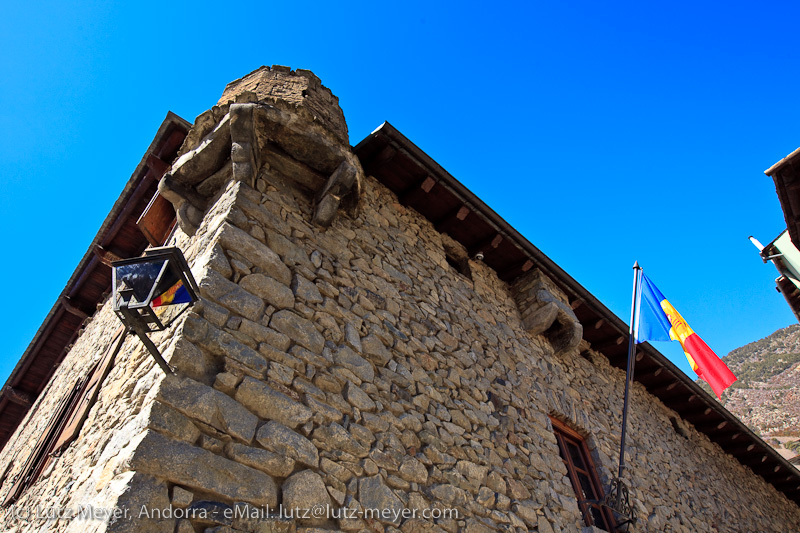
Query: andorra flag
[{"x": 659, "y": 321}]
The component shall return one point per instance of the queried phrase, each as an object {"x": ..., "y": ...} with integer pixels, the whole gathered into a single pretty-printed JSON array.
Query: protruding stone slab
[
  {"x": 222, "y": 343},
  {"x": 266, "y": 461},
  {"x": 197, "y": 468},
  {"x": 298, "y": 329},
  {"x": 413, "y": 470},
  {"x": 375, "y": 350},
  {"x": 336, "y": 437},
  {"x": 232, "y": 238},
  {"x": 208, "y": 405},
  {"x": 357, "y": 397},
  {"x": 276, "y": 437},
  {"x": 271, "y": 290},
  {"x": 227, "y": 293},
  {"x": 268, "y": 403},
  {"x": 346, "y": 357}
]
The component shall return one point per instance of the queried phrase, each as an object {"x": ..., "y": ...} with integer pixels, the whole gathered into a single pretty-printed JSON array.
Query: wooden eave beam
[
  {"x": 106, "y": 256},
  {"x": 648, "y": 373},
  {"x": 19, "y": 397},
  {"x": 711, "y": 427},
  {"x": 608, "y": 343},
  {"x": 696, "y": 412},
  {"x": 452, "y": 219},
  {"x": 756, "y": 459},
  {"x": 417, "y": 192},
  {"x": 43, "y": 338},
  {"x": 74, "y": 310},
  {"x": 517, "y": 269},
  {"x": 131, "y": 203},
  {"x": 665, "y": 390},
  {"x": 170, "y": 146},
  {"x": 486, "y": 246},
  {"x": 383, "y": 157},
  {"x": 157, "y": 165},
  {"x": 788, "y": 484}
]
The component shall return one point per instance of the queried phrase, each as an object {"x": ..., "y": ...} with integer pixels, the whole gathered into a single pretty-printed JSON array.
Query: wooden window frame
[{"x": 565, "y": 435}]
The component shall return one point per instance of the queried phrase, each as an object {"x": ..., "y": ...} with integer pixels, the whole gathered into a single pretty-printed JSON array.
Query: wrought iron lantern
[{"x": 151, "y": 291}]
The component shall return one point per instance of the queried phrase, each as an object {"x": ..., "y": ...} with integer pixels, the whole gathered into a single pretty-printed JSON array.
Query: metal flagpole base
[{"x": 618, "y": 499}]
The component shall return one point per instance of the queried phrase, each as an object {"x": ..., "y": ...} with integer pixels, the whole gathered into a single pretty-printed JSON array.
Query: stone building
[{"x": 370, "y": 337}]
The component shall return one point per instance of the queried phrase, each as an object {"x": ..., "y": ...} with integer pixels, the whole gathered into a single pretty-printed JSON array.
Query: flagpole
[{"x": 631, "y": 361}]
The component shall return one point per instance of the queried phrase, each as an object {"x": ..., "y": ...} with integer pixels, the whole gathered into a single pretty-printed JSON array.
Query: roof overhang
[
  {"x": 786, "y": 175},
  {"x": 90, "y": 283},
  {"x": 420, "y": 183}
]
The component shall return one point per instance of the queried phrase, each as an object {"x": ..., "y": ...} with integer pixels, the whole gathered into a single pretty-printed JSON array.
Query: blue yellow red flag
[{"x": 658, "y": 320}]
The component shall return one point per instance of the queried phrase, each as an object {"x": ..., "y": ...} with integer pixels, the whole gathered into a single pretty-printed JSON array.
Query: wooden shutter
[
  {"x": 66, "y": 421},
  {"x": 88, "y": 394},
  {"x": 38, "y": 458},
  {"x": 157, "y": 220}
]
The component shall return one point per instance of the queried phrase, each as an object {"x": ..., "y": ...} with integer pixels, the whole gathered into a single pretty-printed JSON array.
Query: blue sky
[{"x": 604, "y": 133}]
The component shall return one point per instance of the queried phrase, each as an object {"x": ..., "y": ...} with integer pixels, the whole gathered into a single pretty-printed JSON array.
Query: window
[
  {"x": 66, "y": 421},
  {"x": 582, "y": 475}
]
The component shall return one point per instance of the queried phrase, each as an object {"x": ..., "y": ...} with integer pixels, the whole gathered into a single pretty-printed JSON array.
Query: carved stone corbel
[
  {"x": 344, "y": 182},
  {"x": 244, "y": 145},
  {"x": 189, "y": 205},
  {"x": 545, "y": 311},
  {"x": 207, "y": 157}
]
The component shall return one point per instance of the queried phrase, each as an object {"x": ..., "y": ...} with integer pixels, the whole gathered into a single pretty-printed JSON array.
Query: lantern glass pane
[
  {"x": 168, "y": 282},
  {"x": 176, "y": 294},
  {"x": 139, "y": 277}
]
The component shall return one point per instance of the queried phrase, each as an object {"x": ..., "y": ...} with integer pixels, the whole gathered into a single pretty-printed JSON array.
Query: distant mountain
[{"x": 767, "y": 395}]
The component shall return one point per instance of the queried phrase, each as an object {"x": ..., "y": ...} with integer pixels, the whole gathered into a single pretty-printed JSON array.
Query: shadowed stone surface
[{"x": 184, "y": 464}]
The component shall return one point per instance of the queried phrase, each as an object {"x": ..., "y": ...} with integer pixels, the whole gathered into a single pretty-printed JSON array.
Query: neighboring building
[
  {"x": 370, "y": 336},
  {"x": 782, "y": 251}
]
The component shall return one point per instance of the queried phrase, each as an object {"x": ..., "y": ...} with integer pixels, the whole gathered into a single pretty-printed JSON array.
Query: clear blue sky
[{"x": 605, "y": 133}]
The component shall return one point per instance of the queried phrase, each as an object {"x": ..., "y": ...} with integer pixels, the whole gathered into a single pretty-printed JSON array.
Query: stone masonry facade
[{"x": 336, "y": 358}]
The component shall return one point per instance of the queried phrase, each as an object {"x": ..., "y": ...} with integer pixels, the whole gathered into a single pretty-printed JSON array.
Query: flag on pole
[{"x": 657, "y": 320}]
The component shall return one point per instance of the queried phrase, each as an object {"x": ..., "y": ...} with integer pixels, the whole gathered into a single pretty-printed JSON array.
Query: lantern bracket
[{"x": 150, "y": 292}]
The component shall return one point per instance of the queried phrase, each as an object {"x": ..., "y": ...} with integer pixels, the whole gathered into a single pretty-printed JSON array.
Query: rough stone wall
[
  {"x": 356, "y": 368},
  {"x": 353, "y": 367}
]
